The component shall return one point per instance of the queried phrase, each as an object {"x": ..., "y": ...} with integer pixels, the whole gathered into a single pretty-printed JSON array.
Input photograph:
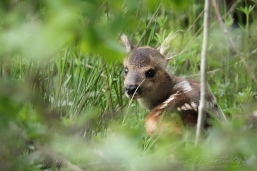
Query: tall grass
[{"x": 62, "y": 103}]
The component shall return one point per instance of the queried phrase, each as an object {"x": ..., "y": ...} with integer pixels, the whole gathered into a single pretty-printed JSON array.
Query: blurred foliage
[{"x": 61, "y": 85}]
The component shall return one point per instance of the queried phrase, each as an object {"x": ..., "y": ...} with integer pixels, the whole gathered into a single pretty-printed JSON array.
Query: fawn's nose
[{"x": 133, "y": 89}]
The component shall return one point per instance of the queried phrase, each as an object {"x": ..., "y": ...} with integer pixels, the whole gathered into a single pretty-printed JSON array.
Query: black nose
[{"x": 131, "y": 89}]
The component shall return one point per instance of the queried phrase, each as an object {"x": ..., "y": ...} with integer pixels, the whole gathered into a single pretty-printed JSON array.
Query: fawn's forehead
[{"x": 141, "y": 57}]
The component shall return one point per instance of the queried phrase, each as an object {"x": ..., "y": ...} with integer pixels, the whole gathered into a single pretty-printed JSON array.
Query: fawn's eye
[
  {"x": 125, "y": 71},
  {"x": 150, "y": 73}
]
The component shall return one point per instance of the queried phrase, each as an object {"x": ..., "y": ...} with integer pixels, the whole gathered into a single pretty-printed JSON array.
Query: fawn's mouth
[
  {"x": 133, "y": 91},
  {"x": 133, "y": 96}
]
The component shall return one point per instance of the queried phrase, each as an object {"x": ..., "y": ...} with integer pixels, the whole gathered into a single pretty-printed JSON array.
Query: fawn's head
[{"x": 144, "y": 71}]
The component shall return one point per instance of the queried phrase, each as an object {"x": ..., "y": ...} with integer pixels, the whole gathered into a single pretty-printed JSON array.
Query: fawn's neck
[{"x": 160, "y": 94}]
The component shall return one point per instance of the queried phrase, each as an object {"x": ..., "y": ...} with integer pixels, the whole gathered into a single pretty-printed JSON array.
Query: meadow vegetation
[{"x": 62, "y": 102}]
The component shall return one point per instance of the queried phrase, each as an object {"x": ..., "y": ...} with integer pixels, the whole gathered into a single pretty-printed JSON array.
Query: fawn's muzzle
[{"x": 133, "y": 90}]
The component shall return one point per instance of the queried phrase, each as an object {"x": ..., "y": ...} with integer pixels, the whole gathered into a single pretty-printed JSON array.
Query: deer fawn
[{"x": 148, "y": 81}]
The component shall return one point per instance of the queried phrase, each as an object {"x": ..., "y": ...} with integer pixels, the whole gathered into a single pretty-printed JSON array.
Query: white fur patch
[
  {"x": 165, "y": 103},
  {"x": 183, "y": 107},
  {"x": 163, "y": 106},
  {"x": 186, "y": 106},
  {"x": 172, "y": 97},
  {"x": 184, "y": 85},
  {"x": 194, "y": 106}
]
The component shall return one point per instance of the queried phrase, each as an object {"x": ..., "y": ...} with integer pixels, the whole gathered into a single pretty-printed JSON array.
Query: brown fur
[{"x": 161, "y": 92}]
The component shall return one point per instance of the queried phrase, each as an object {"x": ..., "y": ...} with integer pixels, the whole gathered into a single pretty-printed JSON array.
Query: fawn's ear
[
  {"x": 125, "y": 41},
  {"x": 171, "y": 46}
]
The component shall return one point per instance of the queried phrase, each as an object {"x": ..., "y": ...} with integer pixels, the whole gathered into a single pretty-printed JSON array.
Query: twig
[
  {"x": 202, "y": 105},
  {"x": 231, "y": 41},
  {"x": 231, "y": 9},
  {"x": 199, "y": 16}
]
